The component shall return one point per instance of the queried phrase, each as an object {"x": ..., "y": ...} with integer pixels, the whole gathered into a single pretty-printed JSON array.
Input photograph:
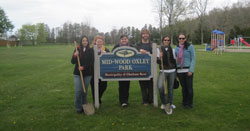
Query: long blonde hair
[{"x": 96, "y": 38}]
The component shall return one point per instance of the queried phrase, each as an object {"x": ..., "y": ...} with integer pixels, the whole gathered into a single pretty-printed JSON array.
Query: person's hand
[
  {"x": 190, "y": 73},
  {"x": 81, "y": 68},
  {"x": 143, "y": 51},
  {"x": 76, "y": 53},
  {"x": 161, "y": 54}
]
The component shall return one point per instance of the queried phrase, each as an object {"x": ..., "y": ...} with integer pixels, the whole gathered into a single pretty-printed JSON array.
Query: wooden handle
[
  {"x": 79, "y": 64},
  {"x": 163, "y": 75}
]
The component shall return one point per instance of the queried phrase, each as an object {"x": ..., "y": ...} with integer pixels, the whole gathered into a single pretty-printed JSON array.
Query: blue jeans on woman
[
  {"x": 170, "y": 77},
  {"x": 80, "y": 96}
]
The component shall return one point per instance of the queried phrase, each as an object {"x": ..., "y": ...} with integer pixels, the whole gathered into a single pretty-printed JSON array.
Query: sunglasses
[{"x": 182, "y": 38}]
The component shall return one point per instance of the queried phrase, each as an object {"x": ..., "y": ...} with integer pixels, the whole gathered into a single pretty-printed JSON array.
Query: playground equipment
[
  {"x": 244, "y": 42},
  {"x": 218, "y": 41},
  {"x": 239, "y": 41}
]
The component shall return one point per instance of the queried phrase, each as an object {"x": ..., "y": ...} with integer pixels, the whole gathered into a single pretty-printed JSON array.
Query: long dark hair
[
  {"x": 81, "y": 46},
  {"x": 186, "y": 44}
]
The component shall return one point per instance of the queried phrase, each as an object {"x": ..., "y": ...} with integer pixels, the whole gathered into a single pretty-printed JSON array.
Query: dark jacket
[
  {"x": 168, "y": 59},
  {"x": 140, "y": 45},
  {"x": 118, "y": 45},
  {"x": 86, "y": 60}
]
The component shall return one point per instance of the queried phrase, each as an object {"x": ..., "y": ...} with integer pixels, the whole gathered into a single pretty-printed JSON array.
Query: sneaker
[
  {"x": 168, "y": 109},
  {"x": 79, "y": 112},
  {"x": 173, "y": 106},
  {"x": 124, "y": 104},
  {"x": 162, "y": 106}
]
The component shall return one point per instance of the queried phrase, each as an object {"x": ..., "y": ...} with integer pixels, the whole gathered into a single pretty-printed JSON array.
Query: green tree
[
  {"x": 28, "y": 33},
  {"x": 5, "y": 23},
  {"x": 42, "y": 33}
]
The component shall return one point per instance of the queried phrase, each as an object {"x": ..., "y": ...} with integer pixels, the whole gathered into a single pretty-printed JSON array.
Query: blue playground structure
[{"x": 217, "y": 42}]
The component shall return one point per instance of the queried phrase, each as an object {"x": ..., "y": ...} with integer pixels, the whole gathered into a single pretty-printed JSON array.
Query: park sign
[{"x": 125, "y": 63}]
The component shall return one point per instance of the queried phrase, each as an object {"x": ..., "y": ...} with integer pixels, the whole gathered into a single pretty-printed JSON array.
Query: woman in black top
[
  {"x": 86, "y": 56},
  {"x": 169, "y": 69},
  {"x": 123, "y": 85}
]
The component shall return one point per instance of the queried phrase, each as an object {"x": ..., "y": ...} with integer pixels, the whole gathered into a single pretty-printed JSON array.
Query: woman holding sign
[
  {"x": 123, "y": 85},
  {"x": 86, "y": 57},
  {"x": 167, "y": 64},
  {"x": 99, "y": 41}
]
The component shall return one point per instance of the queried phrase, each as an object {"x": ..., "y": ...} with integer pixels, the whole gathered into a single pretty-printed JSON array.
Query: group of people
[{"x": 174, "y": 63}]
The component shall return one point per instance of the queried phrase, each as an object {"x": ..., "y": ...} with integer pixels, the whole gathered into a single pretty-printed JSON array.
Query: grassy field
[{"x": 37, "y": 93}]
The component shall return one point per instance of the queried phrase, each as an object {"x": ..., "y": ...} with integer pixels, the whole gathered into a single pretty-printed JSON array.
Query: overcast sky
[{"x": 101, "y": 14}]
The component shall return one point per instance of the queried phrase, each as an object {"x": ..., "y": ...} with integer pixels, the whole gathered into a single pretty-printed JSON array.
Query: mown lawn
[{"x": 37, "y": 93}]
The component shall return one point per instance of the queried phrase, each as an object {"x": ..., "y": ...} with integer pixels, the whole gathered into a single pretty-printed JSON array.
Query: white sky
[{"x": 101, "y": 14}]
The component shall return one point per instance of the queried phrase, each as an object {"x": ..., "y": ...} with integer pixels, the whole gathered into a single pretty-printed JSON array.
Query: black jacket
[
  {"x": 118, "y": 45},
  {"x": 168, "y": 59},
  {"x": 86, "y": 60},
  {"x": 140, "y": 46}
]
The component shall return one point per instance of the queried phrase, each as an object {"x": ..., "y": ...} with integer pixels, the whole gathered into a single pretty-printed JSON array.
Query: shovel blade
[{"x": 88, "y": 109}]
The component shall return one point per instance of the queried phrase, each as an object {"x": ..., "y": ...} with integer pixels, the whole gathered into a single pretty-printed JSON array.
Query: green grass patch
[{"x": 37, "y": 93}]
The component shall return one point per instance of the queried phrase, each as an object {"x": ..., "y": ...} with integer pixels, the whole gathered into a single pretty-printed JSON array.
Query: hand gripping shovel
[{"x": 89, "y": 107}]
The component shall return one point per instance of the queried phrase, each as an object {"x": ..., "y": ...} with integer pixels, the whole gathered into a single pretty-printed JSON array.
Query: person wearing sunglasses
[
  {"x": 167, "y": 56},
  {"x": 185, "y": 53}
]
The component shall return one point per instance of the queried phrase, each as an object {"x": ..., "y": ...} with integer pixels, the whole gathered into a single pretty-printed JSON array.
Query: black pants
[
  {"x": 187, "y": 88},
  {"x": 102, "y": 88},
  {"x": 124, "y": 91},
  {"x": 147, "y": 91}
]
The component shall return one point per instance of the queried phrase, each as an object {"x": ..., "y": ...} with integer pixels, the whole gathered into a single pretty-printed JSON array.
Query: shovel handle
[
  {"x": 163, "y": 75},
  {"x": 83, "y": 86}
]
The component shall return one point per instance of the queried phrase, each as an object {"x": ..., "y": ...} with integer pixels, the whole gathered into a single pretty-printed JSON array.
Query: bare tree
[
  {"x": 158, "y": 8},
  {"x": 173, "y": 10},
  {"x": 200, "y": 9}
]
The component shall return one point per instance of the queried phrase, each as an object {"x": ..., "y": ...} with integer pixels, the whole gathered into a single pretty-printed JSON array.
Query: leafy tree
[
  {"x": 28, "y": 33},
  {"x": 5, "y": 23},
  {"x": 42, "y": 33}
]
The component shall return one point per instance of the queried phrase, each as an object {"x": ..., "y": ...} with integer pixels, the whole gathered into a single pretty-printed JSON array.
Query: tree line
[{"x": 174, "y": 18}]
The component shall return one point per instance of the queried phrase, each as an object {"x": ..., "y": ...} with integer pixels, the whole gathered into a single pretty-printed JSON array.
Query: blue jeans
[
  {"x": 80, "y": 96},
  {"x": 170, "y": 77}
]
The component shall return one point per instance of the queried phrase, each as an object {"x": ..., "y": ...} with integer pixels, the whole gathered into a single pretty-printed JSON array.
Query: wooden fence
[{"x": 9, "y": 43}]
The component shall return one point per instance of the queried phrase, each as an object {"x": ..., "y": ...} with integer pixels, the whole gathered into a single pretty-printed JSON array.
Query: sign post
[{"x": 96, "y": 77}]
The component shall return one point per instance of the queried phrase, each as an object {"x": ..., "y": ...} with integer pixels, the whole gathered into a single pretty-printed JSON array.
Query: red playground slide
[{"x": 243, "y": 41}]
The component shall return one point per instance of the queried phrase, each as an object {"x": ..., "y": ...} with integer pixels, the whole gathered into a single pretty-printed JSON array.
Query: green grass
[{"x": 37, "y": 93}]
